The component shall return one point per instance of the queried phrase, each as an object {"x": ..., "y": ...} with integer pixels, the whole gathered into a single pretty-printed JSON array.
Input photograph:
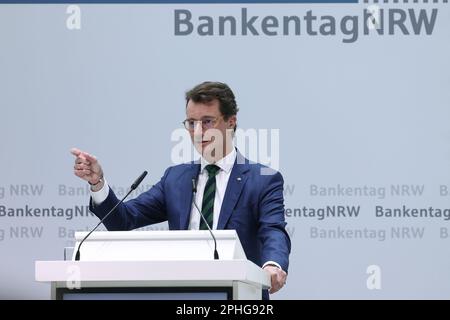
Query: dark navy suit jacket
[{"x": 253, "y": 205}]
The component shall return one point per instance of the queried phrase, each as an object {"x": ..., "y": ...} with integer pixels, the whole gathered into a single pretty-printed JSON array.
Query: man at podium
[{"x": 234, "y": 193}]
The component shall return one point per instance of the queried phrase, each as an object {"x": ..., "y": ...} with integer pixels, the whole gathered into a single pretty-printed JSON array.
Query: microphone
[
  {"x": 132, "y": 188},
  {"x": 138, "y": 181},
  {"x": 194, "y": 192}
]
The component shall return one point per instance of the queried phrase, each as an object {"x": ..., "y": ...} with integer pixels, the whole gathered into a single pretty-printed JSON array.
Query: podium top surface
[{"x": 145, "y": 272}]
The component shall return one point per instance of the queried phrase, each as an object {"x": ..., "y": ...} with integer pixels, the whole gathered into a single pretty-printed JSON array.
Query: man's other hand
[{"x": 277, "y": 278}]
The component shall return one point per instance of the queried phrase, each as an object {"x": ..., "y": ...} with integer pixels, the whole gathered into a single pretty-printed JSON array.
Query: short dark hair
[{"x": 208, "y": 91}]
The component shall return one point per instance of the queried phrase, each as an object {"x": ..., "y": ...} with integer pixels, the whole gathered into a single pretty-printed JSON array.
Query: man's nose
[{"x": 198, "y": 129}]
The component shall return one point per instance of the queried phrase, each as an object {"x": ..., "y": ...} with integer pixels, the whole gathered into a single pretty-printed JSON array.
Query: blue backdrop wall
[{"x": 353, "y": 100}]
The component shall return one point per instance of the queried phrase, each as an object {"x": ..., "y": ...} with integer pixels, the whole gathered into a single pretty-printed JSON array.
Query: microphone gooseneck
[{"x": 194, "y": 192}]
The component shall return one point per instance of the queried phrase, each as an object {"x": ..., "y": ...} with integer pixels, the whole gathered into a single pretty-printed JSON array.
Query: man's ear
[{"x": 232, "y": 122}]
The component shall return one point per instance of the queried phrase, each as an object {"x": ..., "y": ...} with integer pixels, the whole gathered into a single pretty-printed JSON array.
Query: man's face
[{"x": 213, "y": 138}]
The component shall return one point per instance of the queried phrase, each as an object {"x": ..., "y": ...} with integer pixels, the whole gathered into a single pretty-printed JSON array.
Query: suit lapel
[
  {"x": 234, "y": 188},
  {"x": 186, "y": 191}
]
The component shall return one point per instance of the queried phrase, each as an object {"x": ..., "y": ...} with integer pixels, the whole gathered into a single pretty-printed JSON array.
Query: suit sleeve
[
  {"x": 275, "y": 241},
  {"x": 148, "y": 208}
]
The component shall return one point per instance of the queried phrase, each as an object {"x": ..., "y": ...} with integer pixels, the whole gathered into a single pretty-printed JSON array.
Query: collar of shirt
[{"x": 225, "y": 164}]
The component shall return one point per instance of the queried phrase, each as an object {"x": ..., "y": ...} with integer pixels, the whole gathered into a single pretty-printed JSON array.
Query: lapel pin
[{"x": 239, "y": 179}]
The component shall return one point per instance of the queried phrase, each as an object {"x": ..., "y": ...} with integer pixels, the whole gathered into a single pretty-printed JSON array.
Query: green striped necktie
[{"x": 208, "y": 197}]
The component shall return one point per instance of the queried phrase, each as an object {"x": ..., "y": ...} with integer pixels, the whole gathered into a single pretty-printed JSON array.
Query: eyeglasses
[{"x": 207, "y": 123}]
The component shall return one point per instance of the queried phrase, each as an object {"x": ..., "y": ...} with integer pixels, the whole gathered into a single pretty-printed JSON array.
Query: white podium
[{"x": 172, "y": 265}]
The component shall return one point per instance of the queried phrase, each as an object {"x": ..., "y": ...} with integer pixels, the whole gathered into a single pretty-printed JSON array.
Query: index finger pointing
[{"x": 75, "y": 151}]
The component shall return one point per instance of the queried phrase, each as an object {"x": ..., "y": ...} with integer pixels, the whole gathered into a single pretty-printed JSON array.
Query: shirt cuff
[
  {"x": 99, "y": 196},
  {"x": 272, "y": 263}
]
